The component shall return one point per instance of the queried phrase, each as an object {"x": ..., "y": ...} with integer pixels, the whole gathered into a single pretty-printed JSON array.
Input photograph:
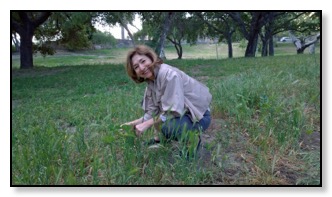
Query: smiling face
[{"x": 141, "y": 65}]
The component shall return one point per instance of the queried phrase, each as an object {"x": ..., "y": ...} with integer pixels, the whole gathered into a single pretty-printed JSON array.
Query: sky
[{"x": 5, "y": 99}]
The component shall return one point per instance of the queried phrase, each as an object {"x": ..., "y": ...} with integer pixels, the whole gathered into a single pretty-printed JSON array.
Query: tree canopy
[{"x": 75, "y": 30}]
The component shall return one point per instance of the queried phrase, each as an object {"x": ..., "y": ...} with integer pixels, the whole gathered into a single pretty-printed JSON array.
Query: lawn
[{"x": 265, "y": 129}]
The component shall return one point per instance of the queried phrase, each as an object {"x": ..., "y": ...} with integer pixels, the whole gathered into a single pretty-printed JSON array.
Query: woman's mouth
[{"x": 145, "y": 72}]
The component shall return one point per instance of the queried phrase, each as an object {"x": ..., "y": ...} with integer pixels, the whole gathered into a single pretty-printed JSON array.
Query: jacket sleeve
[
  {"x": 172, "y": 99},
  {"x": 150, "y": 110}
]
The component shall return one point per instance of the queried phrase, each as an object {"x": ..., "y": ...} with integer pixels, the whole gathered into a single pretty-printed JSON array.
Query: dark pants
[{"x": 174, "y": 128}]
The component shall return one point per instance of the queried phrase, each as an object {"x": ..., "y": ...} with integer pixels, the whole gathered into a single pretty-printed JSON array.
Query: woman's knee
[
  {"x": 206, "y": 120},
  {"x": 173, "y": 128}
]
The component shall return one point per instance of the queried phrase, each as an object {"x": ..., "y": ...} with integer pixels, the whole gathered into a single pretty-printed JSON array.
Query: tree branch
[{"x": 41, "y": 18}]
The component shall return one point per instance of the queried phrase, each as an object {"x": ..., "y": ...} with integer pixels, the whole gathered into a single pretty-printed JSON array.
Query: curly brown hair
[{"x": 141, "y": 50}]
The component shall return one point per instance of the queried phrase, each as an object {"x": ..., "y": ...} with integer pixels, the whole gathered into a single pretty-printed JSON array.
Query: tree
[
  {"x": 280, "y": 22},
  {"x": 266, "y": 35},
  {"x": 220, "y": 25},
  {"x": 276, "y": 23},
  {"x": 250, "y": 24},
  {"x": 73, "y": 29},
  {"x": 306, "y": 27},
  {"x": 25, "y": 24},
  {"x": 300, "y": 22},
  {"x": 177, "y": 32},
  {"x": 122, "y": 18},
  {"x": 176, "y": 27},
  {"x": 151, "y": 27},
  {"x": 156, "y": 25},
  {"x": 103, "y": 38},
  {"x": 168, "y": 17},
  {"x": 302, "y": 43},
  {"x": 185, "y": 27}
]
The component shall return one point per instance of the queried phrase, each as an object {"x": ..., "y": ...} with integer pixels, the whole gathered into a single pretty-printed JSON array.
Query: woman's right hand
[
  {"x": 127, "y": 123},
  {"x": 133, "y": 123}
]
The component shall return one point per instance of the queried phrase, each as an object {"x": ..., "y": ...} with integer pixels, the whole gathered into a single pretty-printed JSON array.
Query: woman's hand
[
  {"x": 140, "y": 128},
  {"x": 127, "y": 124},
  {"x": 133, "y": 123}
]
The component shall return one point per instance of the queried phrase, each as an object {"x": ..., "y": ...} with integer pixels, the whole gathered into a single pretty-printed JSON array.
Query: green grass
[{"x": 65, "y": 124}]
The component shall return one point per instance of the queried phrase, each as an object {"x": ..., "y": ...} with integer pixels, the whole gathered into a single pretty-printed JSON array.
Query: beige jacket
[{"x": 176, "y": 92}]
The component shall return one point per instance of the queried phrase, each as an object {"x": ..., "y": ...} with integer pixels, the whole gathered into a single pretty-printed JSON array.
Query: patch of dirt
[
  {"x": 286, "y": 172},
  {"x": 235, "y": 143},
  {"x": 310, "y": 141},
  {"x": 65, "y": 126},
  {"x": 210, "y": 134},
  {"x": 235, "y": 160}
]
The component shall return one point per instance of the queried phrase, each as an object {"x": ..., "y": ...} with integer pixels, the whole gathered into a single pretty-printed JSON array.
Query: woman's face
[{"x": 141, "y": 65}]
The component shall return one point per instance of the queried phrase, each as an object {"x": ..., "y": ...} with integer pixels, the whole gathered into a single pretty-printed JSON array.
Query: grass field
[{"x": 265, "y": 130}]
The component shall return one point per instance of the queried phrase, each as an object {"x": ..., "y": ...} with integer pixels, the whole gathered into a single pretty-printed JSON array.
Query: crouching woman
[{"x": 173, "y": 101}]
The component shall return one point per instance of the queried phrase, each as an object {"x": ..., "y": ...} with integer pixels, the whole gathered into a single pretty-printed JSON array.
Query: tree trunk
[
  {"x": 252, "y": 45},
  {"x": 267, "y": 45},
  {"x": 122, "y": 33},
  {"x": 230, "y": 46},
  {"x": 271, "y": 47},
  {"x": 256, "y": 23},
  {"x": 312, "y": 49},
  {"x": 26, "y": 50},
  {"x": 255, "y": 28},
  {"x": 179, "y": 49},
  {"x": 268, "y": 37},
  {"x": 177, "y": 45},
  {"x": 129, "y": 33},
  {"x": 301, "y": 45},
  {"x": 264, "y": 47},
  {"x": 167, "y": 23}
]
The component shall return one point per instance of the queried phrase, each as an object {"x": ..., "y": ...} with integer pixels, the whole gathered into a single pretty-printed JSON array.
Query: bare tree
[{"x": 302, "y": 43}]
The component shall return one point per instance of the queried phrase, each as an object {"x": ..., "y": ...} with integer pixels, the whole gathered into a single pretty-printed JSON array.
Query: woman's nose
[{"x": 141, "y": 66}]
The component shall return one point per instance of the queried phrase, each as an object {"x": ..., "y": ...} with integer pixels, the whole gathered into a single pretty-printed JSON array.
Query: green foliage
[
  {"x": 77, "y": 32},
  {"x": 43, "y": 49},
  {"x": 79, "y": 41},
  {"x": 243, "y": 44},
  {"x": 103, "y": 38},
  {"x": 72, "y": 29}
]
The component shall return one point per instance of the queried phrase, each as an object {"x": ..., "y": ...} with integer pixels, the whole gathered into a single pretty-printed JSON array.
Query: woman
[{"x": 172, "y": 98}]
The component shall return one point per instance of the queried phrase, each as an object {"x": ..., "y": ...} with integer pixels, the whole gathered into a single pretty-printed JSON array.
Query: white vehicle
[{"x": 286, "y": 39}]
